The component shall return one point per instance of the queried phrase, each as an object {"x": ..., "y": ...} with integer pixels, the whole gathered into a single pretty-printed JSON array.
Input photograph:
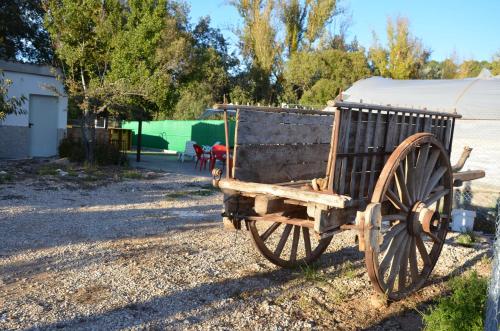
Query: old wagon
[{"x": 299, "y": 176}]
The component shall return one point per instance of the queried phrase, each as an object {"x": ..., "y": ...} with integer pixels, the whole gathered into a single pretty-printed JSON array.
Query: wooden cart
[{"x": 300, "y": 176}]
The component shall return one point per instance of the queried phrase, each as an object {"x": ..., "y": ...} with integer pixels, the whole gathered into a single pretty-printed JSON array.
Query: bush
[
  {"x": 464, "y": 309},
  {"x": 105, "y": 154},
  {"x": 71, "y": 149}
]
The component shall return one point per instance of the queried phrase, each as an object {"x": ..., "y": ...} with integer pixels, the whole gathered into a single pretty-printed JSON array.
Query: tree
[
  {"x": 318, "y": 76},
  {"x": 471, "y": 68},
  {"x": 82, "y": 32},
  {"x": 22, "y": 35},
  {"x": 301, "y": 22},
  {"x": 446, "y": 69},
  {"x": 206, "y": 78},
  {"x": 404, "y": 56},
  {"x": 12, "y": 105}
]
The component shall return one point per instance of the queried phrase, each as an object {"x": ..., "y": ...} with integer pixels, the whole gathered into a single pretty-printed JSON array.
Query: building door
[{"x": 43, "y": 125}]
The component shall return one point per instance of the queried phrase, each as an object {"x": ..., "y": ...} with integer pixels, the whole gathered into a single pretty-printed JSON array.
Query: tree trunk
[
  {"x": 88, "y": 136},
  {"x": 139, "y": 141}
]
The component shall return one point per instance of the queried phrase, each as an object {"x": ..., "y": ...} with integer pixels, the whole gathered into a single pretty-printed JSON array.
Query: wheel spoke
[
  {"x": 436, "y": 196},
  {"x": 393, "y": 247},
  {"x": 434, "y": 238},
  {"x": 427, "y": 172},
  {"x": 413, "y": 260},
  {"x": 421, "y": 162},
  {"x": 423, "y": 251},
  {"x": 396, "y": 262},
  {"x": 269, "y": 231},
  {"x": 395, "y": 200},
  {"x": 284, "y": 238},
  {"x": 307, "y": 241},
  {"x": 403, "y": 269},
  {"x": 394, "y": 217},
  {"x": 434, "y": 180},
  {"x": 410, "y": 173},
  {"x": 401, "y": 185},
  {"x": 295, "y": 243}
]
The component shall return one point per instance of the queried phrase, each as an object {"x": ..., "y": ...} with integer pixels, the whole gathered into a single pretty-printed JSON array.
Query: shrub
[
  {"x": 72, "y": 149},
  {"x": 466, "y": 239},
  {"x": 105, "y": 154},
  {"x": 464, "y": 309}
]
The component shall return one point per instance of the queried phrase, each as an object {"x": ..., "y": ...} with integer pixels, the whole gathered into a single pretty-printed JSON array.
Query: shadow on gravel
[
  {"x": 57, "y": 228},
  {"x": 196, "y": 302}
]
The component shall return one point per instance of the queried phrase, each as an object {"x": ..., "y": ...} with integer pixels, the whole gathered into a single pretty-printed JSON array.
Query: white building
[
  {"x": 38, "y": 130},
  {"x": 476, "y": 99}
]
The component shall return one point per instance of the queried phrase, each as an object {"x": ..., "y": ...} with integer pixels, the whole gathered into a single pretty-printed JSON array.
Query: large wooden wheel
[
  {"x": 415, "y": 192},
  {"x": 286, "y": 245}
]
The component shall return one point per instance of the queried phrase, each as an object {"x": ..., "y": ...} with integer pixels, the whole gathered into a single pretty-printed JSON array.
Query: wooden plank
[
  {"x": 348, "y": 105},
  {"x": 378, "y": 135},
  {"x": 358, "y": 146},
  {"x": 368, "y": 138},
  {"x": 333, "y": 162},
  {"x": 268, "y": 204},
  {"x": 235, "y": 150},
  {"x": 468, "y": 175},
  {"x": 325, "y": 119},
  {"x": 278, "y": 218},
  {"x": 252, "y": 155},
  {"x": 273, "y": 133},
  {"x": 286, "y": 172},
  {"x": 280, "y": 163},
  {"x": 343, "y": 147},
  {"x": 332, "y": 200},
  {"x": 269, "y": 109}
]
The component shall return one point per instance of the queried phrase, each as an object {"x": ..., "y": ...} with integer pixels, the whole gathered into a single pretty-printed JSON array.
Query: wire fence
[{"x": 493, "y": 306}]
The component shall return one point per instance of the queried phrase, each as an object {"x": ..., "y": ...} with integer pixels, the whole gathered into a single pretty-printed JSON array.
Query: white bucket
[{"x": 462, "y": 220}]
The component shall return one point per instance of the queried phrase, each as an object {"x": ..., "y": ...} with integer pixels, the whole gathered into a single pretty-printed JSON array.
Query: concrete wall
[
  {"x": 14, "y": 142},
  {"x": 28, "y": 80}
]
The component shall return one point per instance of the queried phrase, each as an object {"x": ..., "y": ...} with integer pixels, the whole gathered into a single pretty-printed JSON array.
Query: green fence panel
[{"x": 172, "y": 135}]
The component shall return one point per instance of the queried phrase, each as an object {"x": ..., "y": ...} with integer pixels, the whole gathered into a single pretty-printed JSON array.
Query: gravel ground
[{"x": 152, "y": 254}]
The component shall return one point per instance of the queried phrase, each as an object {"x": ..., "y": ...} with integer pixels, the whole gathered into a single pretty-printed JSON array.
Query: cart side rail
[
  {"x": 281, "y": 146},
  {"x": 365, "y": 136}
]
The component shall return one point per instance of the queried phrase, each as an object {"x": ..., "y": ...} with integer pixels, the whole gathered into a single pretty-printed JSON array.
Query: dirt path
[{"x": 152, "y": 254}]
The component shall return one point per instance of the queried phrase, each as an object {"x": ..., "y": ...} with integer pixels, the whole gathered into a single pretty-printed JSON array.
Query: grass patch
[
  {"x": 466, "y": 239},
  {"x": 311, "y": 272},
  {"x": 132, "y": 174},
  {"x": 186, "y": 194},
  {"x": 464, "y": 309},
  {"x": 12, "y": 197},
  {"x": 5, "y": 178},
  {"x": 48, "y": 170},
  {"x": 177, "y": 195},
  {"x": 347, "y": 270}
]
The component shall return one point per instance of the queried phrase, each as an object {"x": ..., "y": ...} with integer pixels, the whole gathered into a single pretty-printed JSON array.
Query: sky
[{"x": 470, "y": 29}]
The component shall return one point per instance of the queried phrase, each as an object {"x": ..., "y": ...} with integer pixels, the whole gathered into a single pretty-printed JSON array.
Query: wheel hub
[{"x": 420, "y": 219}]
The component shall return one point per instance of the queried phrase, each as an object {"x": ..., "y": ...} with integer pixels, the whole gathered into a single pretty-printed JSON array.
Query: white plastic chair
[{"x": 188, "y": 151}]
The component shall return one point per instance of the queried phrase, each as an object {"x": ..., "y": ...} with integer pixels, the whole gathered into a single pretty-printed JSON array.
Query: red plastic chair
[
  {"x": 201, "y": 157},
  {"x": 218, "y": 153}
]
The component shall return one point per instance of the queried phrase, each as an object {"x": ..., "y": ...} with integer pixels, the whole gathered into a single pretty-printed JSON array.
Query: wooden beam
[
  {"x": 270, "y": 109},
  {"x": 463, "y": 176},
  {"x": 268, "y": 204},
  {"x": 356, "y": 105},
  {"x": 329, "y": 199},
  {"x": 282, "y": 219}
]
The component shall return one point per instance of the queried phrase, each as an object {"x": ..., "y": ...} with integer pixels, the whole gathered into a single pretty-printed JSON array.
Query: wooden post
[
  {"x": 226, "y": 129},
  {"x": 332, "y": 158},
  {"x": 139, "y": 141}
]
